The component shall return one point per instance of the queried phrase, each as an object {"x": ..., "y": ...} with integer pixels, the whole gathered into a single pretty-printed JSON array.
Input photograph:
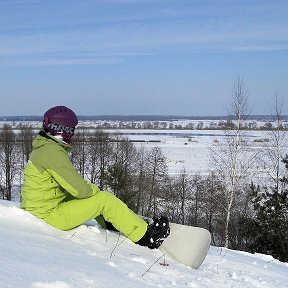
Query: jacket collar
[{"x": 48, "y": 136}]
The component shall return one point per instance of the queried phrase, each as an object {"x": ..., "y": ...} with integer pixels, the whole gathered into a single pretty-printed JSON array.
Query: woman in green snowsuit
[{"x": 54, "y": 191}]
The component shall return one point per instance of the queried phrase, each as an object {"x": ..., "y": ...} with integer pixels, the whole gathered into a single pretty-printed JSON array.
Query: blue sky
[{"x": 132, "y": 57}]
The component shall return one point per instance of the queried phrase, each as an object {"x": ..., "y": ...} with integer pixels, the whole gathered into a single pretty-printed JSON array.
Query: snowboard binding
[{"x": 156, "y": 233}]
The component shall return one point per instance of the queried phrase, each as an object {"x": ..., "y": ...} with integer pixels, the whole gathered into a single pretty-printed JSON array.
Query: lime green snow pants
[{"x": 75, "y": 212}]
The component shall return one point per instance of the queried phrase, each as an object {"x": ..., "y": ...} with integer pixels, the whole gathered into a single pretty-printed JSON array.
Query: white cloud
[{"x": 168, "y": 27}]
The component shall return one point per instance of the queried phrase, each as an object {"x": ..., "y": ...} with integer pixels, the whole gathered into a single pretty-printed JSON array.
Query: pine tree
[{"x": 270, "y": 227}]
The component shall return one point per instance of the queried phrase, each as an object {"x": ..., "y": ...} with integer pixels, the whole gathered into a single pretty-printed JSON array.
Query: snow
[
  {"x": 34, "y": 254},
  {"x": 191, "y": 149}
]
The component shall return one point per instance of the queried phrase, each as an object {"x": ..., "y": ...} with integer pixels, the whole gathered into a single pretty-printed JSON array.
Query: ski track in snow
[{"x": 34, "y": 254}]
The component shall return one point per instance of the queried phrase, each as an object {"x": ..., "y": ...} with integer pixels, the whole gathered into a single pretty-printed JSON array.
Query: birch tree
[{"x": 231, "y": 158}]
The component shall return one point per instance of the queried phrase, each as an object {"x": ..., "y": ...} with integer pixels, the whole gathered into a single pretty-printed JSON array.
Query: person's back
[{"x": 44, "y": 177}]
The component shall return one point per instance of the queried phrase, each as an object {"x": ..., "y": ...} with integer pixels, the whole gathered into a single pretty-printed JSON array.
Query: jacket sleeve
[{"x": 62, "y": 170}]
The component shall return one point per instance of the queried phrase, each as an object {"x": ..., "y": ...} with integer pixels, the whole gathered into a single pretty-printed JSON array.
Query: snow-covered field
[
  {"x": 189, "y": 149},
  {"x": 36, "y": 255}
]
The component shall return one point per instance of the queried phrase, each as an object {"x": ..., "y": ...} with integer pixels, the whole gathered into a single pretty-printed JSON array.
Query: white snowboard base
[{"x": 187, "y": 244}]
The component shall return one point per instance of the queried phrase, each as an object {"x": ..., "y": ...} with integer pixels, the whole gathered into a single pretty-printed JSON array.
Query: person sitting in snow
[{"x": 54, "y": 191}]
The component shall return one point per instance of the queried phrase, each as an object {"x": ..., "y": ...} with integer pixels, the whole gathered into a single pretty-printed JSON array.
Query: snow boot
[{"x": 156, "y": 233}]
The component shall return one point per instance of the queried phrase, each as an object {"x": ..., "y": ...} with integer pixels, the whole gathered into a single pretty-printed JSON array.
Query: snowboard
[{"x": 187, "y": 244}]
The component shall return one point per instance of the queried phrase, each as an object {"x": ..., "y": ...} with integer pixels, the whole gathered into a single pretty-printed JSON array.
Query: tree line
[{"x": 226, "y": 124}]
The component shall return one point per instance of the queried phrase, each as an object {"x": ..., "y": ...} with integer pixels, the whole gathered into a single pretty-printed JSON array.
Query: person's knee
[
  {"x": 107, "y": 198},
  {"x": 110, "y": 204}
]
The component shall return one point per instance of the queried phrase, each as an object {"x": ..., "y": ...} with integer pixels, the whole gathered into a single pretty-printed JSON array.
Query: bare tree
[
  {"x": 180, "y": 198},
  {"x": 140, "y": 179},
  {"x": 100, "y": 151},
  {"x": 24, "y": 139},
  {"x": 8, "y": 161},
  {"x": 120, "y": 171},
  {"x": 213, "y": 205},
  {"x": 231, "y": 157},
  {"x": 197, "y": 194},
  {"x": 80, "y": 153},
  {"x": 274, "y": 150},
  {"x": 26, "y": 136},
  {"x": 183, "y": 191},
  {"x": 157, "y": 171}
]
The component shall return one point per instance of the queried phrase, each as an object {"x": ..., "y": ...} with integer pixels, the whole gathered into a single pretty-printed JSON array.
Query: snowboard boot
[{"x": 156, "y": 233}]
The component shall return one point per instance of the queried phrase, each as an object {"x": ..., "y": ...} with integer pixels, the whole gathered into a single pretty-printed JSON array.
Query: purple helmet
[{"x": 60, "y": 120}]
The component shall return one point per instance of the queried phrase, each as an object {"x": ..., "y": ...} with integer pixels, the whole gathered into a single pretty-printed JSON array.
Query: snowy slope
[{"x": 36, "y": 255}]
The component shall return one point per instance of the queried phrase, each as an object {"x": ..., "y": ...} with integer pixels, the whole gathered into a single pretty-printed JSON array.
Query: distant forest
[{"x": 147, "y": 117}]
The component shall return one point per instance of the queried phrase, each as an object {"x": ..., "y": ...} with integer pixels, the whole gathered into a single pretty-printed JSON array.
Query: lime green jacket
[{"x": 50, "y": 178}]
